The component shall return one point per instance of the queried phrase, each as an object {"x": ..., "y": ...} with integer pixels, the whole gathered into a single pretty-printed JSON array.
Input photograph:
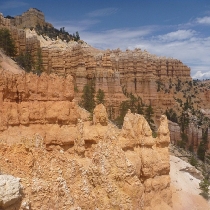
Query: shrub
[{"x": 204, "y": 187}]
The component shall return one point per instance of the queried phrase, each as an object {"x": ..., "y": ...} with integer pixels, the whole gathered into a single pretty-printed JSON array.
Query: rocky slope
[{"x": 185, "y": 186}]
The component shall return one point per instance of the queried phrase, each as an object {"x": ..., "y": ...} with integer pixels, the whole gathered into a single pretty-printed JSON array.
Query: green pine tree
[
  {"x": 39, "y": 62},
  {"x": 88, "y": 101},
  {"x": 100, "y": 96},
  {"x": 148, "y": 116},
  {"x": 7, "y": 43},
  {"x": 124, "y": 106}
]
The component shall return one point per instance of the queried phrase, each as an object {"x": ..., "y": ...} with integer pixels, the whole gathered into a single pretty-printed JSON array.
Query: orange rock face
[{"x": 65, "y": 161}]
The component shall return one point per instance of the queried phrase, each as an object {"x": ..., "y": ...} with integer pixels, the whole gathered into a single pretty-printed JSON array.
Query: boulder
[{"x": 10, "y": 190}]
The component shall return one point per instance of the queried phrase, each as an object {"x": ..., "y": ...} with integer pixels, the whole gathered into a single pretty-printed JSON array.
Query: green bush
[
  {"x": 193, "y": 161},
  {"x": 204, "y": 187}
]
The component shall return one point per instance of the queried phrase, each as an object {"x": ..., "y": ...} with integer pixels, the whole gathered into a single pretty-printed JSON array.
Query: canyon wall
[
  {"x": 136, "y": 71},
  {"x": 66, "y": 161},
  {"x": 113, "y": 71}
]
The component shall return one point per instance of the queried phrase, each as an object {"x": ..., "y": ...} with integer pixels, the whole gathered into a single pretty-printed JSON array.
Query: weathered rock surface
[
  {"x": 10, "y": 190},
  {"x": 28, "y": 19},
  {"x": 66, "y": 161}
]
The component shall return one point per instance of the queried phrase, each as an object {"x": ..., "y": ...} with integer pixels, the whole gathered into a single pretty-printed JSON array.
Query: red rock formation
[
  {"x": 136, "y": 71},
  {"x": 65, "y": 161}
]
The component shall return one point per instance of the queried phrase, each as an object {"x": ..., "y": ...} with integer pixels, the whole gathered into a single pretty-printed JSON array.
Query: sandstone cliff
[{"x": 65, "y": 161}]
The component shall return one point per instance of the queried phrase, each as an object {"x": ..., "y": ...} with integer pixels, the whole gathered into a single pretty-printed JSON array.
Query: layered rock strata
[
  {"x": 112, "y": 71},
  {"x": 135, "y": 71},
  {"x": 65, "y": 161},
  {"x": 28, "y": 19}
]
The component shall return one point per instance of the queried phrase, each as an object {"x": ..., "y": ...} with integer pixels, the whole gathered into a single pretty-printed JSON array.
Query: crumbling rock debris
[{"x": 193, "y": 171}]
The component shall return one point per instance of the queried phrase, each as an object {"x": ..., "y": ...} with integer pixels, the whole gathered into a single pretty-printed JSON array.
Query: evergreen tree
[
  {"x": 171, "y": 115},
  {"x": 124, "y": 106},
  {"x": 76, "y": 36},
  {"x": 203, "y": 145},
  {"x": 149, "y": 115},
  {"x": 140, "y": 109},
  {"x": 100, "y": 96},
  {"x": 7, "y": 43},
  {"x": 25, "y": 60},
  {"x": 132, "y": 102},
  {"x": 38, "y": 66},
  {"x": 88, "y": 101}
]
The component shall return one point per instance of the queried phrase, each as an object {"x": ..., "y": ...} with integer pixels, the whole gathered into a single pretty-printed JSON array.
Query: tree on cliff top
[{"x": 76, "y": 36}]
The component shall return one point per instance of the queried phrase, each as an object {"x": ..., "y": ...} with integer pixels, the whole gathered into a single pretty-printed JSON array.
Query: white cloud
[
  {"x": 116, "y": 38},
  {"x": 200, "y": 75},
  {"x": 177, "y": 35},
  {"x": 188, "y": 47},
  {"x": 204, "y": 20},
  {"x": 13, "y": 4},
  {"x": 103, "y": 12}
]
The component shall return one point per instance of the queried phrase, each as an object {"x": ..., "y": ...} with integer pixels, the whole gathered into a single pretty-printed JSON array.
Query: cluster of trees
[
  {"x": 90, "y": 98},
  {"x": 26, "y": 60},
  {"x": 171, "y": 115},
  {"x": 28, "y": 63},
  {"x": 136, "y": 105},
  {"x": 53, "y": 33},
  {"x": 7, "y": 43}
]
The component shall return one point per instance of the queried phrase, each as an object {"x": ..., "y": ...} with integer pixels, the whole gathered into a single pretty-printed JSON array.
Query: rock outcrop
[
  {"x": 65, "y": 161},
  {"x": 10, "y": 190},
  {"x": 29, "y": 19},
  {"x": 34, "y": 104}
]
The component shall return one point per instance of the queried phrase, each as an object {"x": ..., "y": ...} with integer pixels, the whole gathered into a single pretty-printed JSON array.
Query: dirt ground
[{"x": 185, "y": 187}]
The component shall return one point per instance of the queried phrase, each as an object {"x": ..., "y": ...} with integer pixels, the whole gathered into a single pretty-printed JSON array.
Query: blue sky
[{"x": 171, "y": 28}]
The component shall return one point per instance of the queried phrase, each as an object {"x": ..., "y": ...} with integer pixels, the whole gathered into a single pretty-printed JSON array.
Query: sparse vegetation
[
  {"x": 171, "y": 115},
  {"x": 204, "y": 187},
  {"x": 7, "y": 43},
  {"x": 25, "y": 60},
  {"x": 53, "y": 33}
]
